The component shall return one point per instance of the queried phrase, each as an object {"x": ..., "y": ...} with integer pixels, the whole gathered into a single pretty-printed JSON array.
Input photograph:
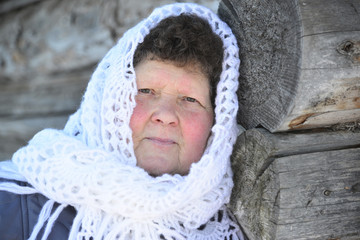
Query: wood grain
[
  {"x": 297, "y": 185},
  {"x": 300, "y": 64}
]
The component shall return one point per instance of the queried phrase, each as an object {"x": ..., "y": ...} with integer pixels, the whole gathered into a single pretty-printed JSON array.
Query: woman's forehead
[{"x": 160, "y": 74}]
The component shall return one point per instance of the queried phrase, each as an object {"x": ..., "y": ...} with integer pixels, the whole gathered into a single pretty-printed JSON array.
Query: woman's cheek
[
  {"x": 197, "y": 128},
  {"x": 138, "y": 116}
]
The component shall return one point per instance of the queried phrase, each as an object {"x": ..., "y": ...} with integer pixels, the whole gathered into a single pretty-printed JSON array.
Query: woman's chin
[{"x": 157, "y": 166}]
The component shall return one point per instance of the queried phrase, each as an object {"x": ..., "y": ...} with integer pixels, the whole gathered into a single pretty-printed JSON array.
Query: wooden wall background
[{"x": 297, "y": 167}]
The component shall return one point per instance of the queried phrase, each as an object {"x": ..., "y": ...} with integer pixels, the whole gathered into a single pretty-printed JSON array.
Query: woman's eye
[
  {"x": 191, "y": 103},
  {"x": 144, "y": 90},
  {"x": 190, "y": 99}
]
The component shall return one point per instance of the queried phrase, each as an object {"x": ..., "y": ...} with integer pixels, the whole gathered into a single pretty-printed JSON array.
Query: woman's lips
[{"x": 161, "y": 141}]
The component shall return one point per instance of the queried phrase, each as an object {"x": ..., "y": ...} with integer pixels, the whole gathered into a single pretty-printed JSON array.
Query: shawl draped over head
[{"x": 91, "y": 164}]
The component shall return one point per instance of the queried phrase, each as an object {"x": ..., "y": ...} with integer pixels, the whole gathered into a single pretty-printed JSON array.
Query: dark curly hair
[{"x": 185, "y": 40}]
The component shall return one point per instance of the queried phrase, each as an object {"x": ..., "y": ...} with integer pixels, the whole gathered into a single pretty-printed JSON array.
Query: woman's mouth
[{"x": 161, "y": 141}]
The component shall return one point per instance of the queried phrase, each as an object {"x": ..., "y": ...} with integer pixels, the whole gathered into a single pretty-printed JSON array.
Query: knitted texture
[{"x": 91, "y": 163}]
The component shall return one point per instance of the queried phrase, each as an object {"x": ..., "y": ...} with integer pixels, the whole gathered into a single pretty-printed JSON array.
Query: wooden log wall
[
  {"x": 297, "y": 167},
  {"x": 300, "y": 62},
  {"x": 297, "y": 185}
]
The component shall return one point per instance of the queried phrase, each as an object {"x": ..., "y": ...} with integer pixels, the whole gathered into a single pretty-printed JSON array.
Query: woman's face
[{"x": 172, "y": 118}]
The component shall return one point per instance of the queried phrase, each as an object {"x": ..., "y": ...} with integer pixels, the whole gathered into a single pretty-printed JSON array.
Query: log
[
  {"x": 10, "y": 5},
  {"x": 41, "y": 96},
  {"x": 300, "y": 64},
  {"x": 15, "y": 133},
  {"x": 303, "y": 185}
]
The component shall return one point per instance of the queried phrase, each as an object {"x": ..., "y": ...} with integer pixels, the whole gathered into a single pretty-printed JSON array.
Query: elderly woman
[{"x": 146, "y": 156}]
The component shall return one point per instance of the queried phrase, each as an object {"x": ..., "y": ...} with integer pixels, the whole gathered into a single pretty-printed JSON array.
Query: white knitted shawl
[{"x": 91, "y": 164}]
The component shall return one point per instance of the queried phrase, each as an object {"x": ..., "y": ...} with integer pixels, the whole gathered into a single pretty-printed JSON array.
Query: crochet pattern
[{"x": 91, "y": 163}]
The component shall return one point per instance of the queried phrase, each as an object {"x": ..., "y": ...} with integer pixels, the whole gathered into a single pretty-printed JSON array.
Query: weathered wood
[
  {"x": 297, "y": 186},
  {"x": 300, "y": 62},
  {"x": 15, "y": 133},
  {"x": 43, "y": 95},
  {"x": 10, "y": 5}
]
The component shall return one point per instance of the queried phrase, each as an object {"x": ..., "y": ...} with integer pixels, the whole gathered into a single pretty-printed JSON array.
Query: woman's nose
[{"x": 165, "y": 112}]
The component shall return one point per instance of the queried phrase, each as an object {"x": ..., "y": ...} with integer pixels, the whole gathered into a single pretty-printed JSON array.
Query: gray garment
[{"x": 19, "y": 215}]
